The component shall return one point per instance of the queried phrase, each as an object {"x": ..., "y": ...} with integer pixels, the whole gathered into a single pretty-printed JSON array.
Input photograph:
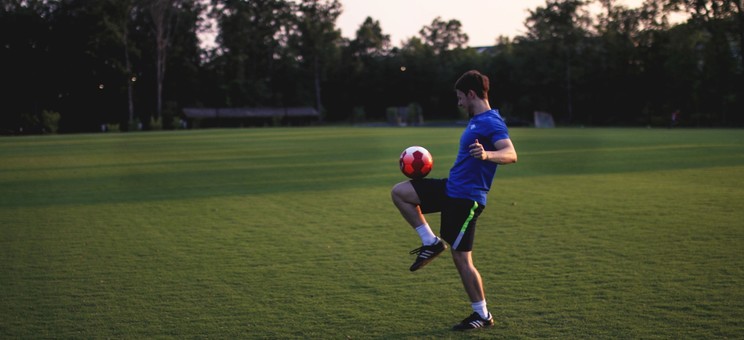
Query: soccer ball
[{"x": 416, "y": 162}]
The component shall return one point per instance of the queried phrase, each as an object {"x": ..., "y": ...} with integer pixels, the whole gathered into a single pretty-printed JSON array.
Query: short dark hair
[{"x": 473, "y": 80}]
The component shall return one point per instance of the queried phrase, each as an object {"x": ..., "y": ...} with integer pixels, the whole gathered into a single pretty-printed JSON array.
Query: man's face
[{"x": 464, "y": 102}]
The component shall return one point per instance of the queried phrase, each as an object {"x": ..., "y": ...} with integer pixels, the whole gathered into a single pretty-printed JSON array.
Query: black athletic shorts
[{"x": 457, "y": 225}]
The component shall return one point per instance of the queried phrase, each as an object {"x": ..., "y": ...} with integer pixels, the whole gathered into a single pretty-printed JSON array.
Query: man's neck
[{"x": 481, "y": 106}]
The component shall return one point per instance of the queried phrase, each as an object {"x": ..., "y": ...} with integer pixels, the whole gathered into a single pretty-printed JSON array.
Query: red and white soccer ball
[{"x": 416, "y": 162}]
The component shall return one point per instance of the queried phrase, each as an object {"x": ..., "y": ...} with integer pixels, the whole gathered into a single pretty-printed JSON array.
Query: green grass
[{"x": 290, "y": 233}]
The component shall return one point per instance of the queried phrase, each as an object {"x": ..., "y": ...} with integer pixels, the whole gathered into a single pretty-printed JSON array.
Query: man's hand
[
  {"x": 504, "y": 153},
  {"x": 477, "y": 151}
]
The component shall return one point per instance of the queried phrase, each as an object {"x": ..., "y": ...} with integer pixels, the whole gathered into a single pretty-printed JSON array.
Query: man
[{"x": 460, "y": 198}]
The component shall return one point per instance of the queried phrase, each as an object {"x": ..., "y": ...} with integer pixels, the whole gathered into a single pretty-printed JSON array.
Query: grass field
[{"x": 290, "y": 233}]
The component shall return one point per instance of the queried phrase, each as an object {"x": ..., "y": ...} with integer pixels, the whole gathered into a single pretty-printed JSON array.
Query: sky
[{"x": 482, "y": 20}]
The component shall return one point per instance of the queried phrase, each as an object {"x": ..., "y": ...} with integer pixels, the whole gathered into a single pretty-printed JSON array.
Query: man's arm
[{"x": 504, "y": 153}]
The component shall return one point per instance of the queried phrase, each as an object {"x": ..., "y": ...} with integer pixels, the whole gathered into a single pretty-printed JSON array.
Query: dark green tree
[
  {"x": 558, "y": 32},
  {"x": 719, "y": 50},
  {"x": 609, "y": 83},
  {"x": 444, "y": 35},
  {"x": 252, "y": 42},
  {"x": 89, "y": 57},
  {"x": 164, "y": 14},
  {"x": 370, "y": 41},
  {"x": 317, "y": 40},
  {"x": 26, "y": 56}
]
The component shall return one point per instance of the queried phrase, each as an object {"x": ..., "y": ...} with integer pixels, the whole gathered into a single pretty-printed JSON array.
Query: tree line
[{"x": 77, "y": 65}]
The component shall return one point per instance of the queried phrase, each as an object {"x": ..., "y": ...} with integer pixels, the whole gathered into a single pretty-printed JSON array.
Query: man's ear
[{"x": 471, "y": 94}]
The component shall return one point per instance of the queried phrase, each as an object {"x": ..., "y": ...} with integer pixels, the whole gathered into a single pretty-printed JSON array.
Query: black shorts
[{"x": 457, "y": 225}]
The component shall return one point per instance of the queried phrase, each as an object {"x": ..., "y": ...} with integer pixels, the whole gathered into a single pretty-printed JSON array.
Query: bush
[
  {"x": 46, "y": 122},
  {"x": 358, "y": 115},
  {"x": 50, "y": 121},
  {"x": 135, "y": 125},
  {"x": 177, "y": 123},
  {"x": 415, "y": 114},
  {"x": 393, "y": 117},
  {"x": 156, "y": 123},
  {"x": 29, "y": 123},
  {"x": 113, "y": 127}
]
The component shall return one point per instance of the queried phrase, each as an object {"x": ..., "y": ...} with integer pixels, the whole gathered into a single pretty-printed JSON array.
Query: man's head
[
  {"x": 472, "y": 92},
  {"x": 473, "y": 81}
]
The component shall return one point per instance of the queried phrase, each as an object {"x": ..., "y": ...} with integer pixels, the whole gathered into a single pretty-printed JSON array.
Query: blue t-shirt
[{"x": 471, "y": 178}]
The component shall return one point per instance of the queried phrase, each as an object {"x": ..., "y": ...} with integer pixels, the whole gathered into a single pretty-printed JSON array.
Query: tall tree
[
  {"x": 612, "y": 77},
  {"x": 444, "y": 35},
  {"x": 709, "y": 11},
  {"x": 164, "y": 14},
  {"x": 560, "y": 27},
  {"x": 116, "y": 20},
  {"x": 317, "y": 39},
  {"x": 720, "y": 54},
  {"x": 250, "y": 39},
  {"x": 90, "y": 60},
  {"x": 370, "y": 41},
  {"x": 25, "y": 42}
]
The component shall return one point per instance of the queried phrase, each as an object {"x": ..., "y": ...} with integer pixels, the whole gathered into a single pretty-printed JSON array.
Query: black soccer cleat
[
  {"x": 474, "y": 321},
  {"x": 427, "y": 253}
]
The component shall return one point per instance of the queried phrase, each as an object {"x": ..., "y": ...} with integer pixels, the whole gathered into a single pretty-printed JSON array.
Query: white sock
[
  {"x": 480, "y": 308},
  {"x": 427, "y": 236}
]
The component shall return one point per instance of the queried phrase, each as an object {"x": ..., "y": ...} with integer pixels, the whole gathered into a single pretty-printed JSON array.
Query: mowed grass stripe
[
  {"x": 641, "y": 252},
  {"x": 290, "y": 233}
]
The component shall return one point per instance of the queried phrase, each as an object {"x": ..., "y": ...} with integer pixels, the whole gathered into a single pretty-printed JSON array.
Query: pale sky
[{"x": 483, "y": 20}]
